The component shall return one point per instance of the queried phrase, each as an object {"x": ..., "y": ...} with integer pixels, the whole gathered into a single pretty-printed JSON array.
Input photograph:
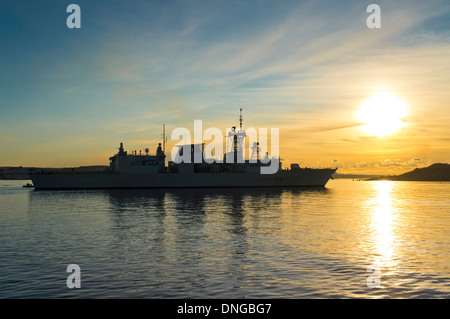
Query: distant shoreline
[
  {"x": 404, "y": 180},
  {"x": 439, "y": 172},
  {"x": 22, "y": 173}
]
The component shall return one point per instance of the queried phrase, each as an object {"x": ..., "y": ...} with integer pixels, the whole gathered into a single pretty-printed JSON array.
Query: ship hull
[{"x": 288, "y": 178}]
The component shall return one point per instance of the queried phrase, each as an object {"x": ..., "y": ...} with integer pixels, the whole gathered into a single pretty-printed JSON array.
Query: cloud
[
  {"x": 385, "y": 166},
  {"x": 6, "y": 138}
]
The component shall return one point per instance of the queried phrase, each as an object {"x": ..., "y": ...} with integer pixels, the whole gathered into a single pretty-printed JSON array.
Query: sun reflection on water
[{"x": 383, "y": 217}]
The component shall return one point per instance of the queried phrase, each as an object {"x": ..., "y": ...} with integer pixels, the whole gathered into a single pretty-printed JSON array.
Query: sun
[{"x": 382, "y": 114}]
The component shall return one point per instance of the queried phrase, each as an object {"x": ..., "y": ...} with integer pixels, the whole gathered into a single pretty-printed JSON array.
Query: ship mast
[
  {"x": 240, "y": 118},
  {"x": 164, "y": 138},
  {"x": 235, "y": 143}
]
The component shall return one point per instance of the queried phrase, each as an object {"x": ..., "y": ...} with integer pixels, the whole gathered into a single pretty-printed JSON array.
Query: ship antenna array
[{"x": 240, "y": 118}]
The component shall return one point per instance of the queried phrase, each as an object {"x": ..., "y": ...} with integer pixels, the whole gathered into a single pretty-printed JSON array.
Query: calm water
[{"x": 243, "y": 243}]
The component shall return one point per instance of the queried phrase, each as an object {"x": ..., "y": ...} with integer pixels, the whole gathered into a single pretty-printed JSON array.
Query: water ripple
[{"x": 243, "y": 243}]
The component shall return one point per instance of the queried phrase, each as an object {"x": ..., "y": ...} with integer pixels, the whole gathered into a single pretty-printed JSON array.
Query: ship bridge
[{"x": 138, "y": 163}]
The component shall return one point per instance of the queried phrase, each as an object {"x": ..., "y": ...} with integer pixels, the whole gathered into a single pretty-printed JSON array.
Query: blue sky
[{"x": 302, "y": 66}]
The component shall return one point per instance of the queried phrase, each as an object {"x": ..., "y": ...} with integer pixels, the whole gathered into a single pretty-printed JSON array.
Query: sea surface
[{"x": 351, "y": 239}]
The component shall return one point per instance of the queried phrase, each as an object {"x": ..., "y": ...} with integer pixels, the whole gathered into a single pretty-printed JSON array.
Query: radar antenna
[{"x": 240, "y": 118}]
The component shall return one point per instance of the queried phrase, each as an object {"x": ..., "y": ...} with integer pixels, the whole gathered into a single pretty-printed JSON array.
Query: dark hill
[{"x": 435, "y": 172}]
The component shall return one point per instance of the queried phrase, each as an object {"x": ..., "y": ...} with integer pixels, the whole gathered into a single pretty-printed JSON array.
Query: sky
[{"x": 68, "y": 97}]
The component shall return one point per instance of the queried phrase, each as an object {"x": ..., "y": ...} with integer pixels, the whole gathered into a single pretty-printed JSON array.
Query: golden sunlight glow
[{"x": 382, "y": 114}]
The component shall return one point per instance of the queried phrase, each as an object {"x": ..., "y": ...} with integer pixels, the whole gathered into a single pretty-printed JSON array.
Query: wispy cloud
[{"x": 6, "y": 138}]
